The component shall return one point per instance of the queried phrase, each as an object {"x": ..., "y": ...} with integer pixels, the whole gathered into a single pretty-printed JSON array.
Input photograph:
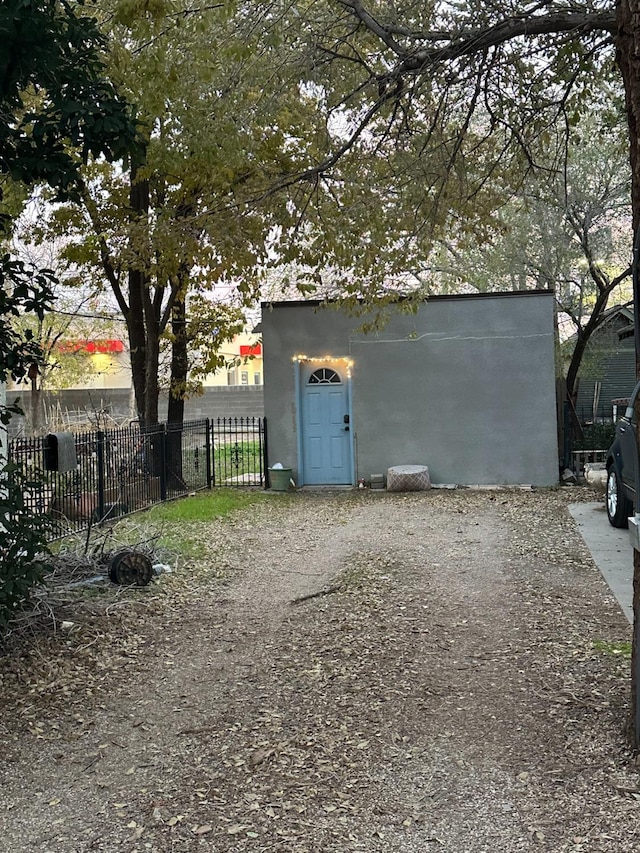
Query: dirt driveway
[{"x": 353, "y": 672}]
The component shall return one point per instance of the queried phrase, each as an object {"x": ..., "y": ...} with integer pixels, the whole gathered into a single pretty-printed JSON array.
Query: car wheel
[{"x": 619, "y": 507}]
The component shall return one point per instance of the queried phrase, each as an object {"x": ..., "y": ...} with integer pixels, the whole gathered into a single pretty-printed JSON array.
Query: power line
[{"x": 116, "y": 317}]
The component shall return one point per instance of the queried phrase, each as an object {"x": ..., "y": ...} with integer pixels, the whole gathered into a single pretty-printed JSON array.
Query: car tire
[{"x": 619, "y": 507}]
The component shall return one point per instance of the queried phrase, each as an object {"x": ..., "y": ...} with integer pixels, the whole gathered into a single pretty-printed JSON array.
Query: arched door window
[{"x": 325, "y": 376}]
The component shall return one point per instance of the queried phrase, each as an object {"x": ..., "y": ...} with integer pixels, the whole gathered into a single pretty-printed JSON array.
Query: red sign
[
  {"x": 247, "y": 349},
  {"x": 106, "y": 346}
]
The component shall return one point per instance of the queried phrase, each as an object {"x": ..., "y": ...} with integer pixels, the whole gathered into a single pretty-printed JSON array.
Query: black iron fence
[{"x": 119, "y": 471}]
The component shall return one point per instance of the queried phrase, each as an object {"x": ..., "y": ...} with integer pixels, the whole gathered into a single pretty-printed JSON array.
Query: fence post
[
  {"x": 208, "y": 452},
  {"x": 162, "y": 438},
  {"x": 215, "y": 426},
  {"x": 101, "y": 478},
  {"x": 265, "y": 453}
]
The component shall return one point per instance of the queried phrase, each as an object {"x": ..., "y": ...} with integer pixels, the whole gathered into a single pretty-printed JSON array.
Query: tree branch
[
  {"x": 105, "y": 256},
  {"x": 448, "y": 46}
]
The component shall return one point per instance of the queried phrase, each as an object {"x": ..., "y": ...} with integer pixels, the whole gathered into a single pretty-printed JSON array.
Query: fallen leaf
[{"x": 260, "y": 755}]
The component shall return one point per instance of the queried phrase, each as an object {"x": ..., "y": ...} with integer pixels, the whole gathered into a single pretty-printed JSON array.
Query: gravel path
[{"x": 439, "y": 671}]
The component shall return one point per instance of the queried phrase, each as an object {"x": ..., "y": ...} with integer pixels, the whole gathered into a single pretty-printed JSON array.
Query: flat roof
[{"x": 440, "y": 297}]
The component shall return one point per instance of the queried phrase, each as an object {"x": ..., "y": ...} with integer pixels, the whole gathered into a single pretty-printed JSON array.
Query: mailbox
[{"x": 60, "y": 452}]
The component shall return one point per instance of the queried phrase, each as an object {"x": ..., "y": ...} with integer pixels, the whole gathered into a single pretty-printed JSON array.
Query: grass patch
[
  {"x": 236, "y": 460},
  {"x": 180, "y": 521},
  {"x": 622, "y": 649},
  {"x": 175, "y": 527},
  {"x": 204, "y": 506}
]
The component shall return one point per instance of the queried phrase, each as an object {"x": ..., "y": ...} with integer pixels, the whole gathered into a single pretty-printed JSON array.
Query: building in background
[
  {"x": 243, "y": 357},
  {"x": 607, "y": 374},
  {"x": 107, "y": 363},
  {"x": 98, "y": 391}
]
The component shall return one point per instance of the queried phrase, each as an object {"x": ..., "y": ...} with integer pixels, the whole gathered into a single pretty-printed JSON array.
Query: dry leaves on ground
[{"x": 374, "y": 673}]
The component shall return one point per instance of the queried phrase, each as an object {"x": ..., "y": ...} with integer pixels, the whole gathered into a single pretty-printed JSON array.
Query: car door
[{"x": 626, "y": 430}]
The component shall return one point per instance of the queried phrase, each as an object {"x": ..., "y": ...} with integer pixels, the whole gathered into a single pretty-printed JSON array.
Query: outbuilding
[{"x": 464, "y": 385}]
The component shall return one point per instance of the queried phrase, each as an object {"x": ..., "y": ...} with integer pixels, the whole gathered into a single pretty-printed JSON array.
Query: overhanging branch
[{"x": 440, "y": 47}]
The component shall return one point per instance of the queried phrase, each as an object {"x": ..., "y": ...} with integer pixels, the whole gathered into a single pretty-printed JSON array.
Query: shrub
[
  {"x": 24, "y": 553},
  {"x": 596, "y": 437}
]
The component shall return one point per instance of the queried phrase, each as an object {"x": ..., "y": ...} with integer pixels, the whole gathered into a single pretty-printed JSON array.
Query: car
[{"x": 622, "y": 467}]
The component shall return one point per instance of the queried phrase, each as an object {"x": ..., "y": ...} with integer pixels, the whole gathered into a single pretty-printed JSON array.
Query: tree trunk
[
  {"x": 140, "y": 335},
  {"x": 583, "y": 338},
  {"x": 179, "y": 372},
  {"x": 179, "y": 360},
  {"x": 152, "y": 361},
  {"x": 137, "y": 340},
  {"x": 628, "y": 60}
]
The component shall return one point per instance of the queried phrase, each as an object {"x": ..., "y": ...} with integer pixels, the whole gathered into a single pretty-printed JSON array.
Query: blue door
[{"x": 325, "y": 427}]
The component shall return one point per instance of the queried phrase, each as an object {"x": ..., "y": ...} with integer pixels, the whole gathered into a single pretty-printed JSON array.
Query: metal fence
[
  {"x": 119, "y": 471},
  {"x": 603, "y": 413}
]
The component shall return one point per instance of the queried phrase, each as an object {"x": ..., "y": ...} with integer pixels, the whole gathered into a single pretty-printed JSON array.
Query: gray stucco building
[{"x": 465, "y": 386}]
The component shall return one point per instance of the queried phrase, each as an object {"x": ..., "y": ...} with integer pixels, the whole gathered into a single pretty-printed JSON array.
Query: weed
[{"x": 613, "y": 648}]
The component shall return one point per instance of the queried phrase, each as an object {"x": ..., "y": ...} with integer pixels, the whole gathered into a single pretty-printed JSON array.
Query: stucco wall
[{"x": 466, "y": 386}]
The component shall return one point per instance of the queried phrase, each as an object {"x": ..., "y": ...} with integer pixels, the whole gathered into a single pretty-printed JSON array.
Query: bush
[
  {"x": 596, "y": 437},
  {"x": 24, "y": 553}
]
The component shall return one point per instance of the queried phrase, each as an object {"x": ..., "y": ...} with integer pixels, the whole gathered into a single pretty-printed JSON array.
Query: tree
[
  {"x": 61, "y": 336},
  {"x": 55, "y": 108},
  {"x": 163, "y": 233},
  {"x": 567, "y": 231}
]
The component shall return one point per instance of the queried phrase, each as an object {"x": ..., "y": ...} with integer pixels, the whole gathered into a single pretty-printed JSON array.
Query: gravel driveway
[{"x": 345, "y": 671}]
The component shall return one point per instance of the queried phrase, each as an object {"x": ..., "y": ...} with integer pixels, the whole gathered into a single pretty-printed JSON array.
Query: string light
[
  {"x": 301, "y": 357},
  {"x": 348, "y": 362}
]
